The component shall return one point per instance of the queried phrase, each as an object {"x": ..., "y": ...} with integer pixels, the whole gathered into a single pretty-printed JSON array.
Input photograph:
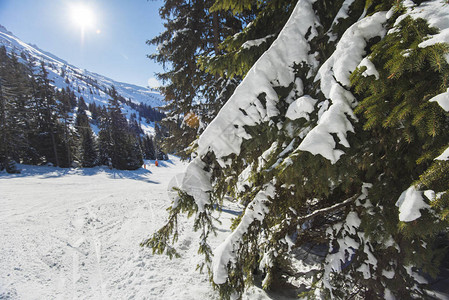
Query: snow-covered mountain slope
[{"x": 91, "y": 86}]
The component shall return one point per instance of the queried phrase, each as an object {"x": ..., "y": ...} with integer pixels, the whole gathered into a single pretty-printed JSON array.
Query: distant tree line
[
  {"x": 41, "y": 124},
  {"x": 145, "y": 111}
]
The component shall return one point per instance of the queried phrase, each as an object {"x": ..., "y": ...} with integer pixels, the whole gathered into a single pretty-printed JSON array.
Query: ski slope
[{"x": 75, "y": 234}]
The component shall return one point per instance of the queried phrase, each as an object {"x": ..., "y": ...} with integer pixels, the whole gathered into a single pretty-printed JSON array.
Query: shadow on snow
[
  {"x": 162, "y": 163},
  {"x": 46, "y": 172}
]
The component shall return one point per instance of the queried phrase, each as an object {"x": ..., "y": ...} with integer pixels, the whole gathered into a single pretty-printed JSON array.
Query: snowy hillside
[{"x": 91, "y": 86}]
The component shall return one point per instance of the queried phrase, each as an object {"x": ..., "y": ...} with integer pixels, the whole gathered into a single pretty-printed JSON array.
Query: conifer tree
[
  {"x": 45, "y": 105},
  {"x": 105, "y": 141},
  {"x": 6, "y": 129},
  {"x": 148, "y": 147},
  {"x": 65, "y": 135},
  {"x": 191, "y": 30},
  {"x": 263, "y": 19},
  {"x": 87, "y": 149},
  {"x": 118, "y": 146},
  {"x": 14, "y": 102},
  {"x": 330, "y": 140}
]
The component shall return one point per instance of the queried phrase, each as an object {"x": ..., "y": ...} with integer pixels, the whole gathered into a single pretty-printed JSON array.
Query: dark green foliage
[
  {"x": 38, "y": 127},
  {"x": 162, "y": 244},
  {"x": 265, "y": 18},
  {"x": 148, "y": 148},
  {"x": 87, "y": 150},
  {"x": 436, "y": 178},
  {"x": 234, "y": 6},
  {"x": 45, "y": 104},
  {"x": 407, "y": 133},
  {"x": 191, "y": 30},
  {"x": 14, "y": 122},
  {"x": 118, "y": 145},
  {"x": 347, "y": 207}
]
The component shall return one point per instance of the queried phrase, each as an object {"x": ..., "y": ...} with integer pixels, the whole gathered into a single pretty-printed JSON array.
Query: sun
[{"x": 82, "y": 15}]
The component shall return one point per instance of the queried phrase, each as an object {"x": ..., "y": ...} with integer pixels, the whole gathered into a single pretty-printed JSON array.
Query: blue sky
[{"x": 114, "y": 46}]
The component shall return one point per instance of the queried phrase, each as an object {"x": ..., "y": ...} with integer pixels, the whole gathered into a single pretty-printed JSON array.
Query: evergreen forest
[{"x": 41, "y": 124}]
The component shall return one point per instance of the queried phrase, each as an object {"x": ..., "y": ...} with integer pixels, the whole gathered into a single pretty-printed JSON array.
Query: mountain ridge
[{"x": 93, "y": 87}]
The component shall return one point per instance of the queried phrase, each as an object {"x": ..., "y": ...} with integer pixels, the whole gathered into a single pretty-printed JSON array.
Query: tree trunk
[
  {"x": 53, "y": 141},
  {"x": 216, "y": 32}
]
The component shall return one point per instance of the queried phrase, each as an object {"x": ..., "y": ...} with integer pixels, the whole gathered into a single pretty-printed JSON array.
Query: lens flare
[{"x": 82, "y": 15}]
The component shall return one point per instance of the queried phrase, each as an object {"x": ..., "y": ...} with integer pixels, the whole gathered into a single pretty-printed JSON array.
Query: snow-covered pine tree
[
  {"x": 65, "y": 134},
  {"x": 14, "y": 100},
  {"x": 264, "y": 20},
  {"x": 118, "y": 146},
  {"x": 32, "y": 131},
  {"x": 105, "y": 141},
  {"x": 337, "y": 136},
  {"x": 238, "y": 52},
  {"x": 148, "y": 147},
  {"x": 87, "y": 147},
  {"x": 46, "y": 121},
  {"x": 191, "y": 31}
]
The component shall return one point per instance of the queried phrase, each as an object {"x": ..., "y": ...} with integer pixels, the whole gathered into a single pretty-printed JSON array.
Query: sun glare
[{"x": 82, "y": 15}]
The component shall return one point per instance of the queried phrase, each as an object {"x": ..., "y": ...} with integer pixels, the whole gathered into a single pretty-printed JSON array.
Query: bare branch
[{"x": 328, "y": 209}]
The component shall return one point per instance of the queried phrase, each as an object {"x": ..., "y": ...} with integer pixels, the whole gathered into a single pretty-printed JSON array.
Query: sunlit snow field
[{"x": 75, "y": 234}]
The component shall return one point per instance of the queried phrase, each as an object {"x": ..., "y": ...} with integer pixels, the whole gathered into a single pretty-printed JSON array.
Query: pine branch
[{"x": 329, "y": 209}]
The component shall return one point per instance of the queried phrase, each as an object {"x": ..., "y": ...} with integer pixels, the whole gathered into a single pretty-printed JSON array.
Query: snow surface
[
  {"x": 442, "y": 99},
  {"x": 436, "y": 12},
  {"x": 410, "y": 203},
  {"x": 274, "y": 68},
  {"x": 225, "y": 253},
  {"x": 75, "y": 234},
  {"x": 370, "y": 68},
  {"x": 301, "y": 108},
  {"x": 444, "y": 155},
  {"x": 343, "y": 12},
  {"x": 257, "y": 42},
  {"x": 334, "y": 77}
]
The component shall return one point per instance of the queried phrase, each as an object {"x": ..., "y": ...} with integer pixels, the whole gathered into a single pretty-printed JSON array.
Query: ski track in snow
[
  {"x": 75, "y": 234},
  {"x": 71, "y": 235}
]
